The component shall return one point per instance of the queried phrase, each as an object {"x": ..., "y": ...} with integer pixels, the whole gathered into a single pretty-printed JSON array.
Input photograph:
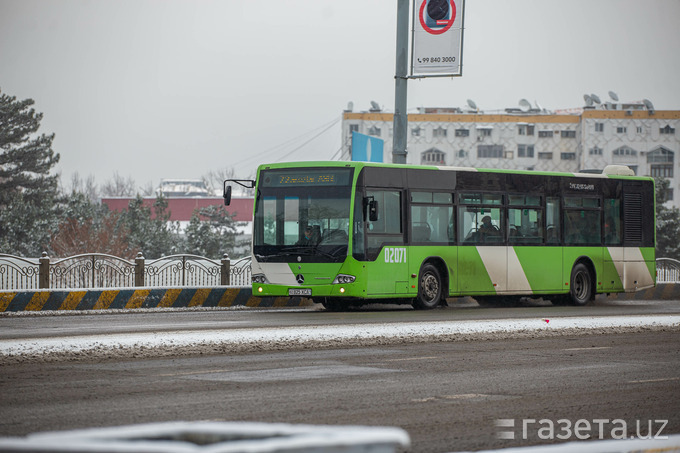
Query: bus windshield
[{"x": 302, "y": 213}]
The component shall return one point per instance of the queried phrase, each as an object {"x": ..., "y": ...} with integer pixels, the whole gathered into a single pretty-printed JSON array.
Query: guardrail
[{"x": 97, "y": 270}]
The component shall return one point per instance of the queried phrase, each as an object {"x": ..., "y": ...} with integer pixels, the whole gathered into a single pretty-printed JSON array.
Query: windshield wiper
[{"x": 305, "y": 250}]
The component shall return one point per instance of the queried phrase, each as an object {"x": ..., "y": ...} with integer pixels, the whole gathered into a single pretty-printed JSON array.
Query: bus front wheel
[
  {"x": 429, "y": 288},
  {"x": 581, "y": 291}
]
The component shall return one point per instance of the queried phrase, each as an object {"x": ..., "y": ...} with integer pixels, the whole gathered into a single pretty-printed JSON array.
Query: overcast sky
[{"x": 157, "y": 89}]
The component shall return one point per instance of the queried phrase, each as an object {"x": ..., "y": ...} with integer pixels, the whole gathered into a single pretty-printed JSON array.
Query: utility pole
[{"x": 400, "y": 127}]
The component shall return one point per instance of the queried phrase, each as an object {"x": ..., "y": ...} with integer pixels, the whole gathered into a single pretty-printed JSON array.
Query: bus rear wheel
[
  {"x": 581, "y": 283},
  {"x": 429, "y": 288}
]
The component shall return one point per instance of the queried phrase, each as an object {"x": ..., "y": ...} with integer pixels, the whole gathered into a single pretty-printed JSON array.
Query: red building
[{"x": 181, "y": 209}]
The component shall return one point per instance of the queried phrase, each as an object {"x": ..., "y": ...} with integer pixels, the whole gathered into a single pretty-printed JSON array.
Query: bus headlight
[
  {"x": 344, "y": 278},
  {"x": 259, "y": 278}
]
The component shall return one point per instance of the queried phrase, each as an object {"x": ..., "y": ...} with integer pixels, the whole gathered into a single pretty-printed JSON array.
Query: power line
[
  {"x": 311, "y": 139},
  {"x": 278, "y": 147}
]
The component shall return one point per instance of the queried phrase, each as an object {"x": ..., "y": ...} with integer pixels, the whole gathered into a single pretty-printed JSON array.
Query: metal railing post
[
  {"x": 225, "y": 275},
  {"x": 139, "y": 269},
  {"x": 44, "y": 272},
  {"x": 94, "y": 262},
  {"x": 184, "y": 265}
]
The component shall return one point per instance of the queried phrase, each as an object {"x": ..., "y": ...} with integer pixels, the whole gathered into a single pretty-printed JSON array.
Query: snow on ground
[{"x": 153, "y": 344}]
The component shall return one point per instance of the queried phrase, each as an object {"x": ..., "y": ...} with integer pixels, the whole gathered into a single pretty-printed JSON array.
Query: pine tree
[
  {"x": 28, "y": 192},
  {"x": 151, "y": 231},
  {"x": 212, "y": 232},
  {"x": 667, "y": 224}
]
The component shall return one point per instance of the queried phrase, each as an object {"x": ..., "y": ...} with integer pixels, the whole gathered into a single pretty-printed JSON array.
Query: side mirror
[
  {"x": 227, "y": 195},
  {"x": 373, "y": 210}
]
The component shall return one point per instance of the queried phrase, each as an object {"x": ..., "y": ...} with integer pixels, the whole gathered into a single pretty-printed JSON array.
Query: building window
[
  {"x": 545, "y": 156},
  {"x": 440, "y": 132},
  {"x": 621, "y": 129},
  {"x": 625, "y": 151},
  {"x": 353, "y": 128},
  {"x": 568, "y": 156},
  {"x": 462, "y": 132},
  {"x": 415, "y": 132},
  {"x": 489, "y": 151},
  {"x": 667, "y": 130},
  {"x": 433, "y": 156},
  {"x": 525, "y": 129},
  {"x": 375, "y": 131},
  {"x": 661, "y": 171},
  {"x": 599, "y": 127},
  {"x": 462, "y": 154},
  {"x": 545, "y": 134},
  {"x": 639, "y": 130},
  {"x": 525, "y": 150},
  {"x": 595, "y": 151},
  {"x": 568, "y": 134},
  {"x": 485, "y": 132},
  {"x": 660, "y": 155}
]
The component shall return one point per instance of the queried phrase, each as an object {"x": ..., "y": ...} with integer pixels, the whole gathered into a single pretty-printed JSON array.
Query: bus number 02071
[{"x": 395, "y": 255}]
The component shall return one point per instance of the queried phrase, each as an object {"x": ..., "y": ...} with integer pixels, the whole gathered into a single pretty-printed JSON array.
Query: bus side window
[
  {"x": 612, "y": 221},
  {"x": 582, "y": 220},
  {"x": 552, "y": 221}
]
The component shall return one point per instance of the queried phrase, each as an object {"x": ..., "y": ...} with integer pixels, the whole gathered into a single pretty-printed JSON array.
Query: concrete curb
[
  {"x": 104, "y": 299},
  {"x": 662, "y": 291}
]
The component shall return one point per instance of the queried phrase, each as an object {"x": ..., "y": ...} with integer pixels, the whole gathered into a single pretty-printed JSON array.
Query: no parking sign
[{"x": 437, "y": 44}]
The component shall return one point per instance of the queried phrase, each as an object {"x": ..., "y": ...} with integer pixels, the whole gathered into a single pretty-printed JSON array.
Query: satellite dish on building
[
  {"x": 472, "y": 104},
  {"x": 649, "y": 105},
  {"x": 588, "y": 99},
  {"x": 538, "y": 106},
  {"x": 614, "y": 97},
  {"x": 595, "y": 98},
  {"x": 375, "y": 106},
  {"x": 524, "y": 105}
]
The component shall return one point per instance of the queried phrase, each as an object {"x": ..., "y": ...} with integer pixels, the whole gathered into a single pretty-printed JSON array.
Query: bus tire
[
  {"x": 581, "y": 285},
  {"x": 429, "y": 288}
]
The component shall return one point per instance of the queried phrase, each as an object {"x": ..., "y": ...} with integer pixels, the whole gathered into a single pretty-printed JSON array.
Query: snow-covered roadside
[{"x": 266, "y": 339}]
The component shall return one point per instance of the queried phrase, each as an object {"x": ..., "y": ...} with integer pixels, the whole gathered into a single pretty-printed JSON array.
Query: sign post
[{"x": 400, "y": 125}]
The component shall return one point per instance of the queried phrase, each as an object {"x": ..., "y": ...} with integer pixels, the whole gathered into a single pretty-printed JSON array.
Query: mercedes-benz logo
[{"x": 300, "y": 278}]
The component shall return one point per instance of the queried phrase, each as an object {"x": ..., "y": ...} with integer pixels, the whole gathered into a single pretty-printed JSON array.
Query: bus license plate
[{"x": 300, "y": 292}]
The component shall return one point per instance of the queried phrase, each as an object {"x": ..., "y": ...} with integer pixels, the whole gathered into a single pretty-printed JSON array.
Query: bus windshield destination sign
[{"x": 307, "y": 178}]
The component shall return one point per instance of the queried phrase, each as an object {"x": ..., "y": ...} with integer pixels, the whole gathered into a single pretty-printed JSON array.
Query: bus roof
[{"x": 613, "y": 171}]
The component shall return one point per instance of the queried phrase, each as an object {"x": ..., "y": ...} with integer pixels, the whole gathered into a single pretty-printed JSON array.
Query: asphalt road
[
  {"x": 35, "y": 325},
  {"x": 446, "y": 395}
]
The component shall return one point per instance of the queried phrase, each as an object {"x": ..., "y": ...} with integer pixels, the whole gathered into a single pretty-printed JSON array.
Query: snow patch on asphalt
[{"x": 230, "y": 341}]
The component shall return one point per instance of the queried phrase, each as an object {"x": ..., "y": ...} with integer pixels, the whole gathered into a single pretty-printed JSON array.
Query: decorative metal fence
[
  {"x": 667, "y": 270},
  {"x": 184, "y": 270},
  {"x": 91, "y": 271},
  {"x": 97, "y": 270},
  {"x": 19, "y": 273}
]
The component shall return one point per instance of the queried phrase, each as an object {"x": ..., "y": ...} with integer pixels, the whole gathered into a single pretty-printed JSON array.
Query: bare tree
[
  {"x": 88, "y": 187},
  {"x": 147, "y": 190},
  {"x": 215, "y": 178}
]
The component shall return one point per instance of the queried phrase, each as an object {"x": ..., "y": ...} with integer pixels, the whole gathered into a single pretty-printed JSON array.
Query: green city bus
[{"x": 350, "y": 233}]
